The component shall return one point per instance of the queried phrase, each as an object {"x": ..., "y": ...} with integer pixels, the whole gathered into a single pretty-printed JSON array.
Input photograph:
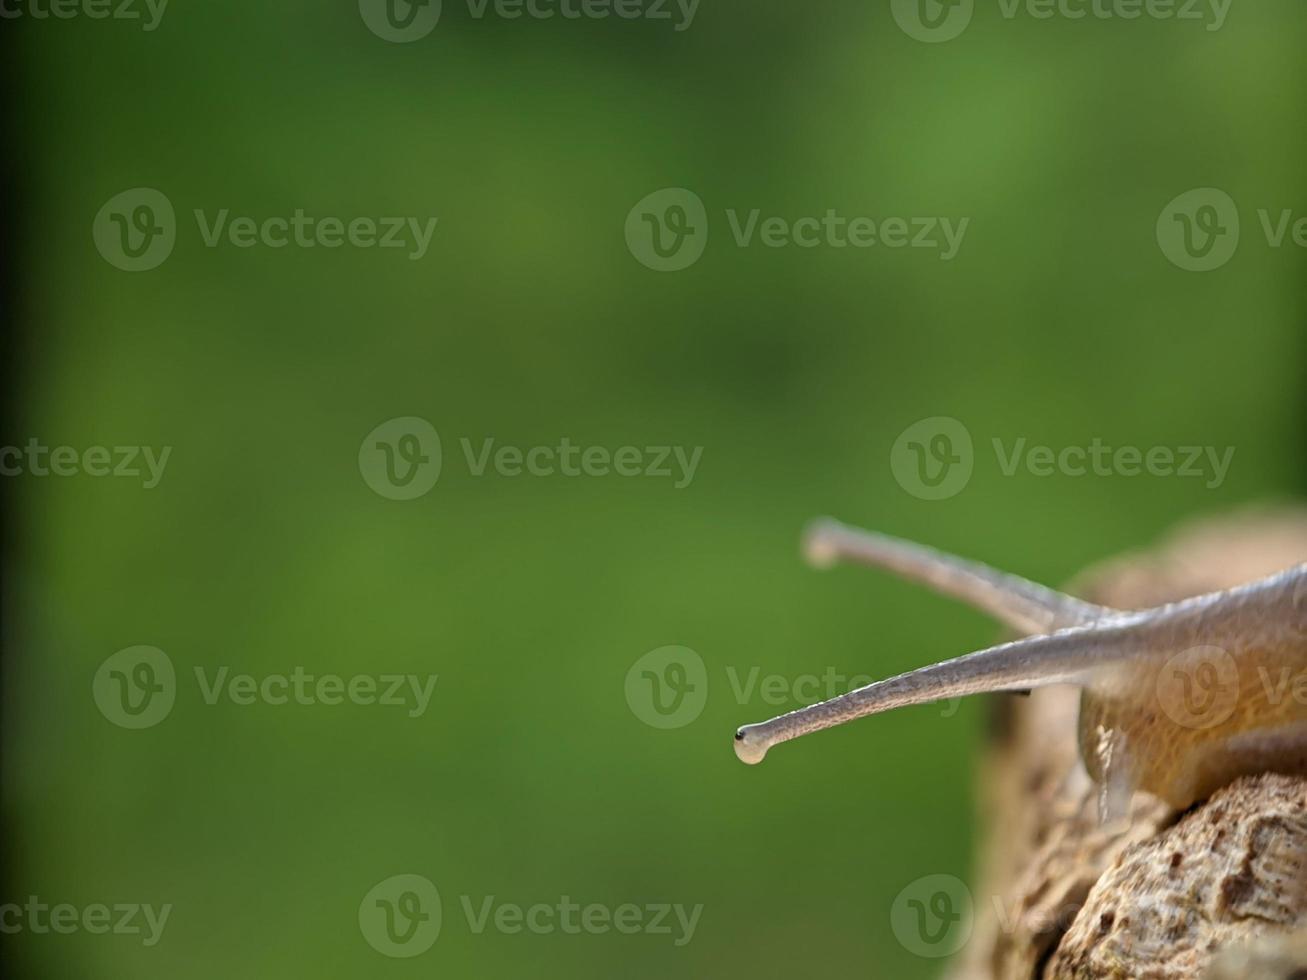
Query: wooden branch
[{"x": 1220, "y": 892}]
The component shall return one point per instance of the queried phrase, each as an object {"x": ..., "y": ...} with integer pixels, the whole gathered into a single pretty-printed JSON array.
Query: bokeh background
[{"x": 530, "y": 777}]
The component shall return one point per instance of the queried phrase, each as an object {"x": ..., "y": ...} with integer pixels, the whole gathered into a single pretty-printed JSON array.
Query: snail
[{"x": 1176, "y": 700}]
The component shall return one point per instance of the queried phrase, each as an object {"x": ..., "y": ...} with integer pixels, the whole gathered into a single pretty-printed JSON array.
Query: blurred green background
[{"x": 529, "y": 777}]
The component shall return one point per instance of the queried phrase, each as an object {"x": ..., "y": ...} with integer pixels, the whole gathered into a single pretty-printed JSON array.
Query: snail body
[
  {"x": 1176, "y": 701},
  {"x": 1222, "y": 707}
]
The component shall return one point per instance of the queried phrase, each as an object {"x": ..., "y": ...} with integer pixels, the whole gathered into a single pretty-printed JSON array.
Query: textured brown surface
[
  {"x": 1046, "y": 851},
  {"x": 1229, "y": 872},
  {"x": 1265, "y": 958}
]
